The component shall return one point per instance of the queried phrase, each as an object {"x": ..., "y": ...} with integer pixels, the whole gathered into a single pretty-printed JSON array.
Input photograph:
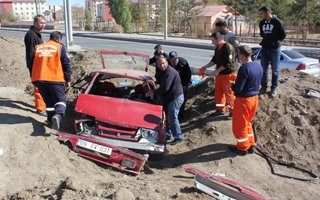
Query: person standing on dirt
[
  {"x": 272, "y": 32},
  {"x": 171, "y": 94},
  {"x": 32, "y": 38},
  {"x": 183, "y": 68},
  {"x": 246, "y": 90},
  {"x": 225, "y": 73},
  {"x": 51, "y": 73}
]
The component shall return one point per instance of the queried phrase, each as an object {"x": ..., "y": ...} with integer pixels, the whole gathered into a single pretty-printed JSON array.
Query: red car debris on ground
[{"x": 116, "y": 111}]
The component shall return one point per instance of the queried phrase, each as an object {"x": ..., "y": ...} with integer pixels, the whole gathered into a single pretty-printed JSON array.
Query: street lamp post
[
  {"x": 165, "y": 19},
  {"x": 66, "y": 29},
  {"x": 68, "y": 23}
]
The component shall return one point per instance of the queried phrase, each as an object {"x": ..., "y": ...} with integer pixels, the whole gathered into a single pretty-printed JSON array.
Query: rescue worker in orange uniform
[
  {"x": 52, "y": 75},
  {"x": 32, "y": 38},
  {"x": 246, "y": 90},
  {"x": 225, "y": 73}
]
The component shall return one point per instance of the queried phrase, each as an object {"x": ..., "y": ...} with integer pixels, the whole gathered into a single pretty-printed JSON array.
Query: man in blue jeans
[
  {"x": 272, "y": 32},
  {"x": 171, "y": 94}
]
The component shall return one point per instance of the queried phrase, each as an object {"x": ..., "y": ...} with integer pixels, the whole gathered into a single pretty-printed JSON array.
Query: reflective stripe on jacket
[{"x": 47, "y": 64}]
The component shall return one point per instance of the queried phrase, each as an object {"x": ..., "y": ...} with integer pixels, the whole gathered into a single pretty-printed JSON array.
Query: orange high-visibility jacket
[{"x": 47, "y": 64}]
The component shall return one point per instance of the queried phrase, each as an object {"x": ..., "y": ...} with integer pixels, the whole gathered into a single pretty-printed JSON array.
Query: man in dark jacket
[
  {"x": 31, "y": 39},
  {"x": 183, "y": 68},
  {"x": 51, "y": 73},
  {"x": 171, "y": 94},
  {"x": 272, "y": 32},
  {"x": 246, "y": 90}
]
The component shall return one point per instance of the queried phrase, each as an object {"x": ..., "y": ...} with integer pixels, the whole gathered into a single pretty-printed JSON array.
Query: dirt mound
[
  {"x": 13, "y": 68},
  {"x": 289, "y": 126}
]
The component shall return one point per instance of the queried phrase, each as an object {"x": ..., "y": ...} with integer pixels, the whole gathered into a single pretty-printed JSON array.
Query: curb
[
  {"x": 128, "y": 39},
  {"x": 150, "y": 41}
]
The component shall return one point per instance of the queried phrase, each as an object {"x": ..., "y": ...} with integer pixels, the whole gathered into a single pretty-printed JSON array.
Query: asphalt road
[{"x": 195, "y": 57}]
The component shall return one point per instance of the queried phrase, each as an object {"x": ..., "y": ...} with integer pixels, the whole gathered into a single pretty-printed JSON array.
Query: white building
[{"x": 25, "y": 10}]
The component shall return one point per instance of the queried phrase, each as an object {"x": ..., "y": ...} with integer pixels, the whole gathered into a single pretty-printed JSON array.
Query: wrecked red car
[{"x": 116, "y": 107}]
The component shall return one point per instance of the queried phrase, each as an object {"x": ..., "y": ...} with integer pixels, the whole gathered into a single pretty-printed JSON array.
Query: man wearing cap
[
  {"x": 183, "y": 68},
  {"x": 272, "y": 32},
  {"x": 224, "y": 74},
  {"x": 51, "y": 73}
]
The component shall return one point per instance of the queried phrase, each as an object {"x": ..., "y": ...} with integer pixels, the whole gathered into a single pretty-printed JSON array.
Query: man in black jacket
[
  {"x": 171, "y": 94},
  {"x": 272, "y": 32},
  {"x": 183, "y": 68},
  {"x": 31, "y": 39}
]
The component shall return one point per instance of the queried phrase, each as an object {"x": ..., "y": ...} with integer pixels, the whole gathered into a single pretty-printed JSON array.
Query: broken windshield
[{"x": 124, "y": 60}]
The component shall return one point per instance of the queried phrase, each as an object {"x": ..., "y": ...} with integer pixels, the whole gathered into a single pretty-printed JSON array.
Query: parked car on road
[{"x": 293, "y": 60}]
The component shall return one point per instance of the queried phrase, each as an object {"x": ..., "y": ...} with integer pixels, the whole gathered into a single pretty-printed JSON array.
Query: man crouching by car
[{"x": 171, "y": 94}]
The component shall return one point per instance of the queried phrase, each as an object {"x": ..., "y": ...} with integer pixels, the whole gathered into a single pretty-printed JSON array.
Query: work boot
[
  {"x": 263, "y": 90},
  {"x": 56, "y": 122},
  {"x": 273, "y": 93},
  {"x": 229, "y": 117},
  {"x": 234, "y": 149},
  {"x": 175, "y": 141},
  {"x": 217, "y": 113},
  {"x": 42, "y": 113},
  {"x": 252, "y": 150}
]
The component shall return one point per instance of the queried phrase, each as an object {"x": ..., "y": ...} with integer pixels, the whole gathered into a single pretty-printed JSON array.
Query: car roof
[{"x": 139, "y": 75}]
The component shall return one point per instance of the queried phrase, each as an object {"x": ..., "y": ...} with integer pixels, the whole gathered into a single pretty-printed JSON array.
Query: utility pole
[
  {"x": 165, "y": 19},
  {"x": 66, "y": 29},
  {"x": 68, "y": 23},
  {"x": 36, "y": 4}
]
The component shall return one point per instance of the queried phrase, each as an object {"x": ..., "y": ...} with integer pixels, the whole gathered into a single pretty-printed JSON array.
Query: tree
[
  {"x": 88, "y": 18},
  {"x": 121, "y": 13},
  {"x": 3, "y": 14},
  {"x": 78, "y": 16},
  {"x": 139, "y": 14}
]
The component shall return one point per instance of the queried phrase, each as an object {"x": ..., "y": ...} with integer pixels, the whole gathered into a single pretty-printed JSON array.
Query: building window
[
  {"x": 21, "y": 8},
  {"x": 16, "y": 8},
  {"x": 27, "y": 13},
  {"x": 27, "y": 8}
]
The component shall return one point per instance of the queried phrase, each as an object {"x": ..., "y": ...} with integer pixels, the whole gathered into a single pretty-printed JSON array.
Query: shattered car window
[{"x": 125, "y": 60}]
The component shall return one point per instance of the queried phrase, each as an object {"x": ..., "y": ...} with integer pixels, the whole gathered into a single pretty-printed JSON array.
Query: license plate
[{"x": 94, "y": 147}]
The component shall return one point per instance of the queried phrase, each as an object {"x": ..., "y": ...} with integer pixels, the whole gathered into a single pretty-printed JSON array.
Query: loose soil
[{"x": 33, "y": 165}]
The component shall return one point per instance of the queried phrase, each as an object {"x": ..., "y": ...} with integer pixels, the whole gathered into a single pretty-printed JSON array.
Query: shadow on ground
[{"x": 212, "y": 152}]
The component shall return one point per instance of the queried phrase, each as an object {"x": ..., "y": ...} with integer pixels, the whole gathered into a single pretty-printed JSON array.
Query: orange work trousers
[
  {"x": 243, "y": 112},
  {"x": 40, "y": 105},
  {"x": 223, "y": 94}
]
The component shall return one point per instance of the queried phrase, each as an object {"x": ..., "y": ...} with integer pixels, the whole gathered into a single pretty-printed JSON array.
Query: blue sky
[{"x": 60, "y": 2}]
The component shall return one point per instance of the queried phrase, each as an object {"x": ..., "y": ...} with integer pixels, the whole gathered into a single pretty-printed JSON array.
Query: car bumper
[
  {"x": 313, "y": 72},
  {"x": 145, "y": 146}
]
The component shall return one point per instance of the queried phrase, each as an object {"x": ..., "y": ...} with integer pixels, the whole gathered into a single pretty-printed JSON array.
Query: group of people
[{"x": 49, "y": 68}]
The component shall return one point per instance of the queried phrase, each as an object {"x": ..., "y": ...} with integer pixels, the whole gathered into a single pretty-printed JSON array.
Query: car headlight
[{"x": 148, "y": 133}]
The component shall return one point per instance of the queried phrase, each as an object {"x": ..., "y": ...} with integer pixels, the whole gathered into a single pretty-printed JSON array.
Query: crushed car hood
[{"x": 120, "y": 112}]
